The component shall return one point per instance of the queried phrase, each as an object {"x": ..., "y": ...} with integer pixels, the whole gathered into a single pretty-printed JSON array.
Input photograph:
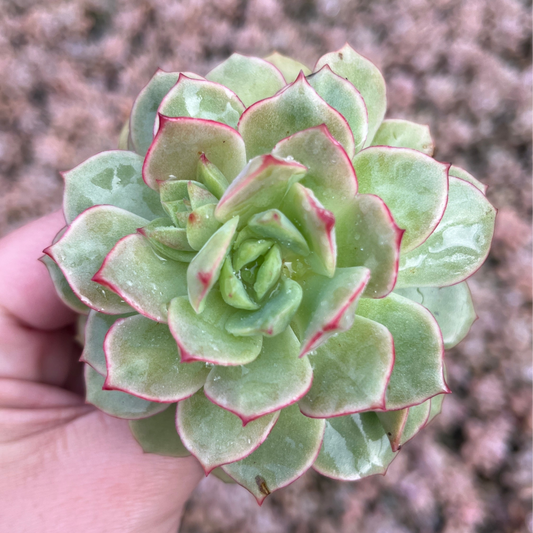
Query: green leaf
[
  {"x": 340, "y": 94},
  {"x": 316, "y": 224},
  {"x": 262, "y": 184},
  {"x": 173, "y": 190},
  {"x": 365, "y": 77},
  {"x": 96, "y": 329},
  {"x": 276, "y": 379},
  {"x": 413, "y": 185},
  {"x": 460, "y": 173},
  {"x": 416, "y": 419},
  {"x": 124, "y": 137},
  {"x": 330, "y": 174},
  {"x": 211, "y": 177},
  {"x": 145, "y": 280},
  {"x": 157, "y": 434},
  {"x": 294, "y": 109},
  {"x": 452, "y": 308},
  {"x": 436, "y": 407},
  {"x": 205, "y": 268},
  {"x": 163, "y": 231},
  {"x": 328, "y": 305},
  {"x": 116, "y": 403},
  {"x": 404, "y": 134},
  {"x": 199, "y": 195},
  {"x": 367, "y": 235},
  {"x": 201, "y": 225},
  {"x": 269, "y": 272},
  {"x": 144, "y": 109},
  {"x": 290, "y": 68},
  {"x": 178, "y": 211},
  {"x": 351, "y": 371},
  {"x": 113, "y": 178},
  {"x": 84, "y": 246},
  {"x": 216, "y": 436},
  {"x": 65, "y": 293},
  {"x": 418, "y": 368},
  {"x": 458, "y": 246},
  {"x": 232, "y": 288},
  {"x": 354, "y": 447},
  {"x": 143, "y": 359},
  {"x": 393, "y": 423},
  {"x": 287, "y": 453},
  {"x": 250, "y": 78},
  {"x": 199, "y": 98},
  {"x": 249, "y": 251},
  {"x": 179, "y": 143},
  {"x": 203, "y": 337},
  {"x": 220, "y": 474},
  {"x": 271, "y": 319},
  {"x": 273, "y": 224}
]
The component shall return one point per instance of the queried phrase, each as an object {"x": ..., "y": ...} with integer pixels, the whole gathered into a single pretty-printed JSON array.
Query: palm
[{"x": 76, "y": 468}]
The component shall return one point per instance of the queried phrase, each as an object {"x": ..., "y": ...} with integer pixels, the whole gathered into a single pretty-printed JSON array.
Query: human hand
[{"x": 64, "y": 465}]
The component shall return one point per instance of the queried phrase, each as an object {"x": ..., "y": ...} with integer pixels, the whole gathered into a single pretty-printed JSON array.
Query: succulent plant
[{"x": 271, "y": 271}]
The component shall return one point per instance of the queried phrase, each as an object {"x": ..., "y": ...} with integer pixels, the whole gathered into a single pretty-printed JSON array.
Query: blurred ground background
[{"x": 69, "y": 73}]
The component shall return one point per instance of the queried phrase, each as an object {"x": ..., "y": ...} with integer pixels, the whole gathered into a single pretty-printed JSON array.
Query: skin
[{"x": 65, "y": 466}]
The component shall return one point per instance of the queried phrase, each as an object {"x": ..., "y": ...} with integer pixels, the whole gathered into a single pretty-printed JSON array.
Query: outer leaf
[
  {"x": 113, "y": 178},
  {"x": 116, "y": 403},
  {"x": 81, "y": 250},
  {"x": 202, "y": 99},
  {"x": 179, "y": 143},
  {"x": 203, "y": 337},
  {"x": 204, "y": 269},
  {"x": 393, "y": 423},
  {"x": 413, "y": 185},
  {"x": 262, "y": 184},
  {"x": 436, "y": 407},
  {"x": 276, "y": 379},
  {"x": 143, "y": 359},
  {"x": 418, "y": 368},
  {"x": 458, "y": 172},
  {"x": 316, "y": 224},
  {"x": 294, "y": 109},
  {"x": 452, "y": 308},
  {"x": 290, "y": 68},
  {"x": 404, "y": 134},
  {"x": 458, "y": 246},
  {"x": 271, "y": 319},
  {"x": 124, "y": 137},
  {"x": 340, "y": 94},
  {"x": 366, "y": 78},
  {"x": 62, "y": 287},
  {"x": 144, "y": 109},
  {"x": 330, "y": 174},
  {"x": 216, "y": 436},
  {"x": 417, "y": 418},
  {"x": 220, "y": 474},
  {"x": 96, "y": 329},
  {"x": 157, "y": 434},
  {"x": 251, "y": 78},
  {"x": 142, "y": 278},
  {"x": 354, "y": 447},
  {"x": 367, "y": 235},
  {"x": 328, "y": 305},
  {"x": 351, "y": 372},
  {"x": 287, "y": 453}
]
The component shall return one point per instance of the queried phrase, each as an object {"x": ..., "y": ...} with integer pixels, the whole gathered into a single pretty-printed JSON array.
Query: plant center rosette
[{"x": 271, "y": 271}]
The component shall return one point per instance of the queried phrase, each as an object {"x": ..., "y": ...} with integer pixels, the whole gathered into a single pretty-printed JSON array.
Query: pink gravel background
[{"x": 70, "y": 71}]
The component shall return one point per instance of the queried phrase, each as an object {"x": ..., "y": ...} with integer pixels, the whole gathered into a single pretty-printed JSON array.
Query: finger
[{"x": 26, "y": 290}]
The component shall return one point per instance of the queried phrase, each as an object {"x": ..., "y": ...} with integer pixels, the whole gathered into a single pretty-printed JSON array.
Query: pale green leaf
[
  {"x": 290, "y": 68},
  {"x": 458, "y": 246},
  {"x": 404, "y": 134},
  {"x": 294, "y": 109},
  {"x": 250, "y": 78}
]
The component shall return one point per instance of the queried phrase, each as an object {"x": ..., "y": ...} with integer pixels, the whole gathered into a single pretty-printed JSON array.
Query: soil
[{"x": 70, "y": 72}]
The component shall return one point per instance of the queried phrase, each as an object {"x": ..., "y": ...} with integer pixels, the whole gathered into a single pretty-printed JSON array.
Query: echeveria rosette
[{"x": 271, "y": 271}]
